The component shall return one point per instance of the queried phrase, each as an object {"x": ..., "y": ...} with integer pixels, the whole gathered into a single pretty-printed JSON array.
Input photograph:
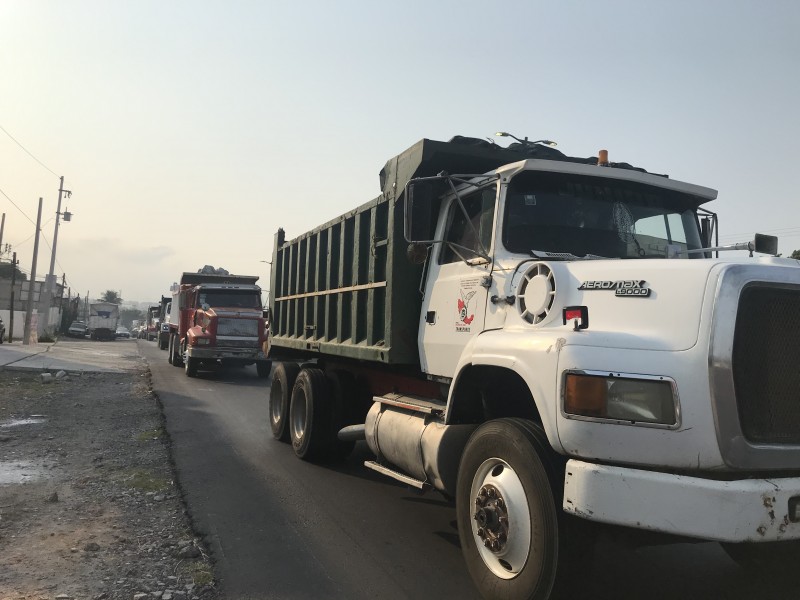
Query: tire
[
  {"x": 765, "y": 558},
  {"x": 506, "y": 471},
  {"x": 170, "y": 344},
  {"x": 280, "y": 396},
  {"x": 309, "y": 415},
  {"x": 263, "y": 368},
  {"x": 162, "y": 344},
  {"x": 177, "y": 357},
  {"x": 190, "y": 366}
]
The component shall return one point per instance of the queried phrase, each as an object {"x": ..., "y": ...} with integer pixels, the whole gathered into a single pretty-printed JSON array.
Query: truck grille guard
[{"x": 754, "y": 363}]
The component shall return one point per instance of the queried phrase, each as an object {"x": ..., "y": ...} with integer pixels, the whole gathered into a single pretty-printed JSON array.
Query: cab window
[{"x": 462, "y": 228}]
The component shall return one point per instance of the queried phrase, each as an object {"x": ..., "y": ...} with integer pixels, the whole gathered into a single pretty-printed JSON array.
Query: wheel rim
[
  {"x": 299, "y": 415},
  {"x": 501, "y": 520},
  {"x": 276, "y": 402}
]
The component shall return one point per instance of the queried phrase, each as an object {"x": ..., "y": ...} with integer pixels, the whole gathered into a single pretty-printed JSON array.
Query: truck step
[
  {"x": 402, "y": 477},
  {"x": 416, "y": 403}
]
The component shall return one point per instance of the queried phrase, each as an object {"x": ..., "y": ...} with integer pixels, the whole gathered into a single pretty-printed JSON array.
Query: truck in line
[
  {"x": 217, "y": 318},
  {"x": 103, "y": 320},
  {"x": 556, "y": 343},
  {"x": 163, "y": 324}
]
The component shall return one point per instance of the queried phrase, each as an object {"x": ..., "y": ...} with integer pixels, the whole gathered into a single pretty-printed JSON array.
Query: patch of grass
[
  {"x": 200, "y": 573},
  {"x": 152, "y": 434},
  {"x": 140, "y": 479}
]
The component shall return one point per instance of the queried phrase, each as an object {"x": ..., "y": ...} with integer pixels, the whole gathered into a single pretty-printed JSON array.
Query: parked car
[
  {"x": 77, "y": 329},
  {"x": 122, "y": 332}
]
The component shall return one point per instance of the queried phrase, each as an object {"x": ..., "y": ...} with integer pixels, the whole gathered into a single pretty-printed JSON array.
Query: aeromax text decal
[{"x": 636, "y": 288}]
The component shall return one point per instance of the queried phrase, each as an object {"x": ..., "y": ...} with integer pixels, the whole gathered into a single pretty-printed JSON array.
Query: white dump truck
[
  {"x": 103, "y": 320},
  {"x": 558, "y": 344}
]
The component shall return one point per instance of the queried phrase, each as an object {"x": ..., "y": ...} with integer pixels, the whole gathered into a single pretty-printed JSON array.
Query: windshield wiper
[{"x": 565, "y": 256}]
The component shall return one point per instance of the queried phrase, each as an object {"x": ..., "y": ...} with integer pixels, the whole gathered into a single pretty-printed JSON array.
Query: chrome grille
[
  {"x": 766, "y": 364},
  {"x": 248, "y": 343},
  {"x": 241, "y": 327}
]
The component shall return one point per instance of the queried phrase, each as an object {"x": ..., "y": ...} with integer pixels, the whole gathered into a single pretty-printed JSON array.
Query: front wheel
[
  {"x": 190, "y": 366},
  {"x": 263, "y": 367},
  {"x": 508, "y": 520}
]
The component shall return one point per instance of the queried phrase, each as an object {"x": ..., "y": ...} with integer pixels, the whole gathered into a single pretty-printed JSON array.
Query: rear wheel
[
  {"x": 280, "y": 396},
  {"x": 508, "y": 519},
  {"x": 309, "y": 414},
  {"x": 162, "y": 343},
  {"x": 170, "y": 348}
]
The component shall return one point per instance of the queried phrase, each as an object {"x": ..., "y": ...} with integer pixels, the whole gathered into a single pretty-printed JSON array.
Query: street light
[{"x": 525, "y": 141}]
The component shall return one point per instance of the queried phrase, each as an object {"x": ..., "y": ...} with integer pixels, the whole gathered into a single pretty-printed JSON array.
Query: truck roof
[
  {"x": 189, "y": 278},
  {"x": 466, "y": 155}
]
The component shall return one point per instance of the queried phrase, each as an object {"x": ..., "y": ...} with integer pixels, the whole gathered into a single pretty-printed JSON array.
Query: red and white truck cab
[{"x": 217, "y": 318}]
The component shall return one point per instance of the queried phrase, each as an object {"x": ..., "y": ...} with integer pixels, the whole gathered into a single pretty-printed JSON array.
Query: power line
[
  {"x": 17, "y": 207},
  {"x": 27, "y": 152}
]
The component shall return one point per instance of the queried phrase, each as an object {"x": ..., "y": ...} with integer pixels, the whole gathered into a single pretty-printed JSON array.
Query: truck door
[{"x": 454, "y": 306}]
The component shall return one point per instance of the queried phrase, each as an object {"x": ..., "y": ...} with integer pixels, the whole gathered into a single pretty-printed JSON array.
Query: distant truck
[
  {"x": 151, "y": 329},
  {"x": 163, "y": 324},
  {"x": 103, "y": 320},
  {"x": 550, "y": 341},
  {"x": 217, "y": 318}
]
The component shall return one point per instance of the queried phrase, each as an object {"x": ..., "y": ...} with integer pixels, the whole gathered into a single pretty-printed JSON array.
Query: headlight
[
  {"x": 199, "y": 341},
  {"x": 632, "y": 399}
]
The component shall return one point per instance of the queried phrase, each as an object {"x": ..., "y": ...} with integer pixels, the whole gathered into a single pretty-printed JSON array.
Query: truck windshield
[
  {"x": 230, "y": 298},
  {"x": 579, "y": 215}
]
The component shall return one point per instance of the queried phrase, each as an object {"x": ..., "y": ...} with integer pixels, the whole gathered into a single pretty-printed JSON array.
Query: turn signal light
[{"x": 585, "y": 396}]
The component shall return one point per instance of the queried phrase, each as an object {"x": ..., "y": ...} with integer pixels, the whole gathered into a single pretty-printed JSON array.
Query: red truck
[{"x": 217, "y": 318}]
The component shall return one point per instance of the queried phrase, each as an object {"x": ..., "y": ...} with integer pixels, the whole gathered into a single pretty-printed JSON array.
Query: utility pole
[
  {"x": 2, "y": 227},
  {"x": 51, "y": 278},
  {"x": 13, "y": 281},
  {"x": 29, "y": 312}
]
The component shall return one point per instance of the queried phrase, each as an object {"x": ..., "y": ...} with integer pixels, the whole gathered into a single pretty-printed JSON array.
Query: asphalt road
[{"x": 283, "y": 528}]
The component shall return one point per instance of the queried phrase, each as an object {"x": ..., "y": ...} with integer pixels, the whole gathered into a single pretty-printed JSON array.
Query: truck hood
[
  {"x": 234, "y": 312},
  {"x": 647, "y": 304}
]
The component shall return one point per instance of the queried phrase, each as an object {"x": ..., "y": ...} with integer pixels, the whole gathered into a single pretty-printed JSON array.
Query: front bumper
[
  {"x": 206, "y": 353},
  {"x": 745, "y": 510}
]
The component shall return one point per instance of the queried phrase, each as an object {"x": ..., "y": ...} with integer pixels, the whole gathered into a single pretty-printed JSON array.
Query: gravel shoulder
[{"x": 89, "y": 504}]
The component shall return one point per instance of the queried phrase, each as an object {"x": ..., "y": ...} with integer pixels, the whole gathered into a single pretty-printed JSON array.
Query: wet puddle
[
  {"x": 21, "y": 471},
  {"x": 32, "y": 420}
]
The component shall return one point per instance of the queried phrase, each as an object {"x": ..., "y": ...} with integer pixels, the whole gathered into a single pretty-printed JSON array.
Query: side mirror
[
  {"x": 417, "y": 253},
  {"x": 419, "y": 224},
  {"x": 766, "y": 244}
]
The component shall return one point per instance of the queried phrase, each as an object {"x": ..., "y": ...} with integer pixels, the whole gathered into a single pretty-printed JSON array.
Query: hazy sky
[{"x": 189, "y": 132}]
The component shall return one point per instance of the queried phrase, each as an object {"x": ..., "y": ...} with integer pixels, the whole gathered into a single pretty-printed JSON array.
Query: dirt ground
[{"x": 89, "y": 507}]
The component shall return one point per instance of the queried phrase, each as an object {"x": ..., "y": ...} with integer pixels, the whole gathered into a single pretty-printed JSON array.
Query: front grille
[
  {"x": 766, "y": 364},
  {"x": 251, "y": 343},
  {"x": 241, "y": 327}
]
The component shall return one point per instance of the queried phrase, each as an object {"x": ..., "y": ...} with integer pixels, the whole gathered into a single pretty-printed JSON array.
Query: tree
[
  {"x": 111, "y": 296},
  {"x": 6, "y": 270},
  {"x": 795, "y": 254}
]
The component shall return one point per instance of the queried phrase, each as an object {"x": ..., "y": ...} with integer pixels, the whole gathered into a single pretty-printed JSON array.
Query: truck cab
[{"x": 217, "y": 319}]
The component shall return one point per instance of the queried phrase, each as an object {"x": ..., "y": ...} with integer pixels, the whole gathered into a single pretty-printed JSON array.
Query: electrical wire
[
  {"x": 17, "y": 207},
  {"x": 27, "y": 152}
]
